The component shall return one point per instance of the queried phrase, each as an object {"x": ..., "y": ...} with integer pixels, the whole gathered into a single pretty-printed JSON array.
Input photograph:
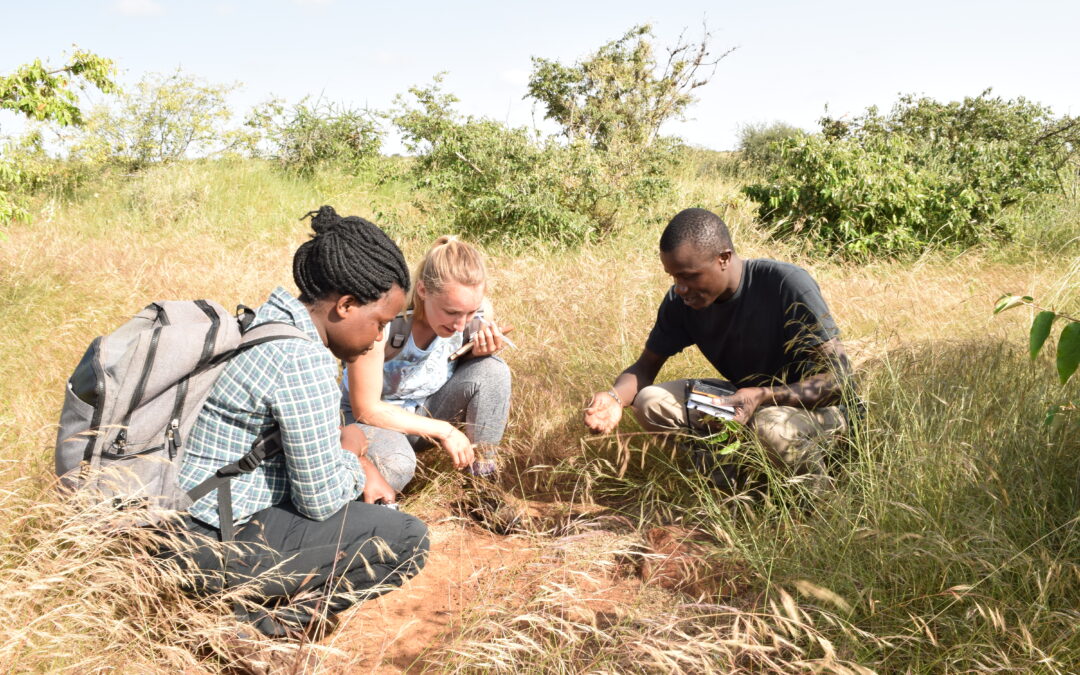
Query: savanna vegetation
[{"x": 949, "y": 542}]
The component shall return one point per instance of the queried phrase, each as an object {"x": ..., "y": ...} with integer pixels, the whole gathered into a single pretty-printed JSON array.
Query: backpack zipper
[
  {"x": 99, "y": 409},
  {"x": 140, "y": 389},
  {"x": 172, "y": 434}
]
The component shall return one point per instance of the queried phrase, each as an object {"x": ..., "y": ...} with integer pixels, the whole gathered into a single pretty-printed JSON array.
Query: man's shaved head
[{"x": 704, "y": 230}]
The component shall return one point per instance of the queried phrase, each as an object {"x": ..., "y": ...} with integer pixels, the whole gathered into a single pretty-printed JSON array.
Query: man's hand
[
  {"x": 603, "y": 413},
  {"x": 745, "y": 401},
  {"x": 354, "y": 440},
  {"x": 458, "y": 446},
  {"x": 375, "y": 486}
]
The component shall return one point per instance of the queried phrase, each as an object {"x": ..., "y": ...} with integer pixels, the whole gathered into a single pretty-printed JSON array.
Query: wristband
[{"x": 615, "y": 395}]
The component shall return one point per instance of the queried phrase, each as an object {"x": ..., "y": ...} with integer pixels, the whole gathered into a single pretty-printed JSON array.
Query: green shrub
[
  {"x": 498, "y": 182},
  {"x": 608, "y": 164},
  {"x": 927, "y": 174},
  {"x": 309, "y": 136},
  {"x": 165, "y": 118}
]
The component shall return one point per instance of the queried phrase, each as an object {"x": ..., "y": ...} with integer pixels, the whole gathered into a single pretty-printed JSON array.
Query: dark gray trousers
[{"x": 302, "y": 568}]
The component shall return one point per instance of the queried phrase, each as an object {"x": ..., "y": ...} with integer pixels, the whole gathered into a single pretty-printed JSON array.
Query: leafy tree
[
  {"x": 759, "y": 144},
  {"x": 309, "y": 135},
  {"x": 621, "y": 94},
  {"x": 607, "y": 164},
  {"x": 165, "y": 118},
  {"x": 45, "y": 94},
  {"x": 498, "y": 182},
  {"x": 926, "y": 174}
]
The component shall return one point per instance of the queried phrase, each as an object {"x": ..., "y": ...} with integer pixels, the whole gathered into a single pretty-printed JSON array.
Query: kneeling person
[
  {"x": 308, "y": 536},
  {"x": 412, "y": 389},
  {"x": 762, "y": 324}
]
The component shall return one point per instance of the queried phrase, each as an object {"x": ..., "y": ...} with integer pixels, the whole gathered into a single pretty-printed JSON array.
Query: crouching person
[
  {"x": 310, "y": 536},
  {"x": 765, "y": 327}
]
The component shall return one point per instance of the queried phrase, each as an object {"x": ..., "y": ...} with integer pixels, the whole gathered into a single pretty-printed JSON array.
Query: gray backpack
[{"x": 135, "y": 395}]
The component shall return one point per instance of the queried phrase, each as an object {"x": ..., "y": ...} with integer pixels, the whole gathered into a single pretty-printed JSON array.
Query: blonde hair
[{"x": 448, "y": 260}]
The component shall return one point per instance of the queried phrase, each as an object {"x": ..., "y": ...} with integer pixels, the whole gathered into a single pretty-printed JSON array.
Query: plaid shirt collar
[{"x": 282, "y": 306}]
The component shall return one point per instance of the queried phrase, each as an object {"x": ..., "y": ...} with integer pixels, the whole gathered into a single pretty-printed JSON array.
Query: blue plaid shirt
[{"x": 289, "y": 384}]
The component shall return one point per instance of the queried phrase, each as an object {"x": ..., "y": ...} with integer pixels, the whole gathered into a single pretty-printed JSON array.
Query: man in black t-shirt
[{"x": 762, "y": 324}]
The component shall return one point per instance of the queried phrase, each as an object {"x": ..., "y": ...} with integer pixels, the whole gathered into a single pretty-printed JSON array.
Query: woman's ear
[
  {"x": 421, "y": 290},
  {"x": 343, "y": 305}
]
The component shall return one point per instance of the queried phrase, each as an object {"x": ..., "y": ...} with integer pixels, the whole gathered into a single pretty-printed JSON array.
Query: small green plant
[{"x": 1068, "y": 347}]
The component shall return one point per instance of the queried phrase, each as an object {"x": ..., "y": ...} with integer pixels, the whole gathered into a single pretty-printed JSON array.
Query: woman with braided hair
[
  {"x": 309, "y": 535},
  {"x": 413, "y": 382}
]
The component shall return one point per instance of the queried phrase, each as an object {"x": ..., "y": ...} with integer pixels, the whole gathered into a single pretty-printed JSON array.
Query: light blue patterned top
[{"x": 414, "y": 374}]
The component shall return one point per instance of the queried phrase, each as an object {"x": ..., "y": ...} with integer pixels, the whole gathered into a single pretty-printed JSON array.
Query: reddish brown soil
[{"x": 390, "y": 634}]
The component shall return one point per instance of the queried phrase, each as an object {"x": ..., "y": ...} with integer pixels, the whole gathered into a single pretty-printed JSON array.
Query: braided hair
[
  {"x": 349, "y": 256},
  {"x": 704, "y": 230}
]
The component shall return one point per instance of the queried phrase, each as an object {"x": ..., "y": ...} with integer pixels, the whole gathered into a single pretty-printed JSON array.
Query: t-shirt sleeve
[
  {"x": 669, "y": 335},
  {"x": 807, "y": 319}
]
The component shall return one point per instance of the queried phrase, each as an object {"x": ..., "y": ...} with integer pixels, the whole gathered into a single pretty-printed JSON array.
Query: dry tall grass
[{"x": 950, "y": 543}]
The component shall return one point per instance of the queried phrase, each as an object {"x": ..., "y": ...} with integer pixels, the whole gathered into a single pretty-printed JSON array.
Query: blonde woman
[{"x": 411, "y": 382}]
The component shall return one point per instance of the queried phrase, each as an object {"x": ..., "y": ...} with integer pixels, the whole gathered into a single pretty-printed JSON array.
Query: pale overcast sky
[{"x": 792, "y": 58}]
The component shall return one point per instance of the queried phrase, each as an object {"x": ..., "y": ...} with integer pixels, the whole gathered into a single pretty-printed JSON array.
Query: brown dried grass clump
[
  {"x": 577, "y": 610},
  {"x": 83, "y": 592},
  {"x": 686, "y": 561}
]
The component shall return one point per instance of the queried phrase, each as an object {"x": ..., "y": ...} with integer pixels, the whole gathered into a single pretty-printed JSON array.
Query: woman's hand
[
  {"x": 458, "y": 446},
  {"x": 489, "y": 339}
]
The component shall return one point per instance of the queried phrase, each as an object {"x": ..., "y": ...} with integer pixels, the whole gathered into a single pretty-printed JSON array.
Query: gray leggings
[{"x": 477, "y": 397}]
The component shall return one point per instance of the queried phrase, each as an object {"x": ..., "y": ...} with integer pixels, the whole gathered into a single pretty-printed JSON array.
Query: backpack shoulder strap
[
  {"x": 271, "y": 330},
  {"x": 397, "y": 334},
  {"x": 264, "y": 447}
]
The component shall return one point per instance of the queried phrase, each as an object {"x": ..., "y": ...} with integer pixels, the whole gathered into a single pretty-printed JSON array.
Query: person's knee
[
  {"x": 399, "y": 468},
  {"x": 787, "y": 437},
  {"x": 654, "y": 409},
  {"x": 489, "y": 373},
  {"x": 415, "y": 544},
  {"x": 392, "y": 455}
]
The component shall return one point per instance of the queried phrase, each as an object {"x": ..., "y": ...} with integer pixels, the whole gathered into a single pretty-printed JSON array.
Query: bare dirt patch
[{"x": 391, "y": 634}]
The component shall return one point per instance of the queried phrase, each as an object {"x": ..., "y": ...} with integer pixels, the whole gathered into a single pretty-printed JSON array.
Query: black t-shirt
[{"x": 762, "y": 335}]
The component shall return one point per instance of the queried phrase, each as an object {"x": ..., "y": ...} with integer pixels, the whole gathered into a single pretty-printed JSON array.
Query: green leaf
[
  {"x": 1040, "y": 330},
  {"x": 1068, "y": 356},
  {"x": 1050, "y": 415},
  {"x": 1009, "y": 301}
]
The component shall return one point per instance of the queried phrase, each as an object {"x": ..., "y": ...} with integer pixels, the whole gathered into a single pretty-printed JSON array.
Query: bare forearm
[
  {"x": 389, "y": 416},
  {"x": 815, "y": 391},
  {"x": 631, "y": 381}
]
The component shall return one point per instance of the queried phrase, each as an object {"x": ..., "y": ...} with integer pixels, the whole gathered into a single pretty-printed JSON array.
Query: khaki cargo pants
[{"x": 795, "y": 439}]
